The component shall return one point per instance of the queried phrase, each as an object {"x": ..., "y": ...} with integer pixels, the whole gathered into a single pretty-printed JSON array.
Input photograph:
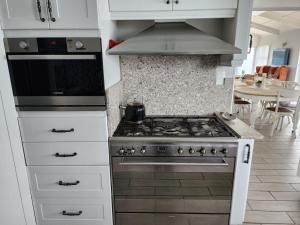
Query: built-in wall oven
[
  {"x": 56, "y": 73},
  {"x": 172, "y": 184}
]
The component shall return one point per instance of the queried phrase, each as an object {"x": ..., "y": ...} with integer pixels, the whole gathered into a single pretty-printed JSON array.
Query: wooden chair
[
  {"x": 278, "y": 113},
  {"x": 241, "y": 105}
]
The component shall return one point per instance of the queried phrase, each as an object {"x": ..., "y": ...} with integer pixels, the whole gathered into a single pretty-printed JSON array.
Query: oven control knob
[
  {"x": 224, "y": 151},
  {"x": 143, "y": 150},
  {"x": 132, "y": 151},
  {"x": 191, "y": 151},
  {"x": 213, "y": 151},
  {"x": 122, "y": 151},
  {"x": 202, "y": 151},
  {"x": 79, "y": 45},
  {"x": 180, "y": 151},
  {"x": 23, "y": 44}
]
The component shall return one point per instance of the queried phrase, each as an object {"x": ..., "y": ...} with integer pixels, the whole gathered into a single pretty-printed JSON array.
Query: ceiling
[
  {"x": 274, "y": 22},
  {"x": 272, "y": 17}
]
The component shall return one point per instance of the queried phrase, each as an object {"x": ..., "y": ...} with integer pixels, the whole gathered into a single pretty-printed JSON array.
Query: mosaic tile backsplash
[{"x": 175, "y": 85}]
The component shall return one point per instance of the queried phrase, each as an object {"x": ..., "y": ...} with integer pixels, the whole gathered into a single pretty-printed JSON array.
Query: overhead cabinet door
[
  {"x": 24, "y": 14},
  {"x": 204, "y": 4},
  {"x": 140, "y": 5},
  {"x": 73, "y": 14}
]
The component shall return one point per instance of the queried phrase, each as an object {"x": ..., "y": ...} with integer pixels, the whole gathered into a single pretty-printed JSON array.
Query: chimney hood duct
[{"x": 173, "y": 39}]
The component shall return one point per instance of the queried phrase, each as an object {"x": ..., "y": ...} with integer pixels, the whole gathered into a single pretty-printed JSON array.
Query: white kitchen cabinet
[
  {"x": 54, "y": 14},
  {"x": 16, "y": 14},
  {"x": 171, "y": 9},
  {"x": 64, "y": 129},
  {"x": 70, "y": 181},
  {"x": 74, "y": 14},
  {"x": 204, "y": 4},
  {"x": 87, "y": 153},
  {"x": 11, "y": 210},
  {"x": 77, "y": 211},
  {"x": 140, "y": 5}
]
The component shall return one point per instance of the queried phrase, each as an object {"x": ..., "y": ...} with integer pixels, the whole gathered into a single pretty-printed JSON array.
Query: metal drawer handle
[
  {"x": 38, "y": 3},
  {"x": 50, "y": 11},
  {"x": 247, "y": 152},
  {"x": 61, "y": 183},
  {"x": 65, "y": 213},
  {"x": 62, "y": 131},
  {"x": 65, "y": 155}
]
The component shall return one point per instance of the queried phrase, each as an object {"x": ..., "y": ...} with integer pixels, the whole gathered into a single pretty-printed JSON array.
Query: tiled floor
[{"x": 274, "y": 191}]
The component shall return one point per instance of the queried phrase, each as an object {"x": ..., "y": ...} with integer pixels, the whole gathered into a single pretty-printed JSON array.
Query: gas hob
[{"x": 174, "y": 127}]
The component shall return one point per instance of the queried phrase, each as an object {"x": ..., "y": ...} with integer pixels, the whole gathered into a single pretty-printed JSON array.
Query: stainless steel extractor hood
[{"x": 173, "y": 39}]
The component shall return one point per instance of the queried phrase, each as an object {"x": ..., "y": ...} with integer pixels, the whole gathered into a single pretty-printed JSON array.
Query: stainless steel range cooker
[{"x": 173, "y": 170}]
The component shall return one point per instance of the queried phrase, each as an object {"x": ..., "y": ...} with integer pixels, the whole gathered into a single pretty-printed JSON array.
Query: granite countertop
[{"x": 242, "y": 129}]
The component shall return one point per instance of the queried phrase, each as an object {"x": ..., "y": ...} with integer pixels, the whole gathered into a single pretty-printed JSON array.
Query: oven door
[
  {"x": 69, "y": 79},
  {"x": 177, "y": 190}
]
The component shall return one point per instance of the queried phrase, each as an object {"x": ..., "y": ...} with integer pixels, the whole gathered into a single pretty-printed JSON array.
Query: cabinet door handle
[
  {"x": 62, "y": 131},
  {"x": 39, "y": 7},
  {"x": 168, "y": 2},
  {"x": 50, "y": 11},
  {"x": 247, "y": 152},
  {"x": 176, "y": 1},
  {"x": 62, "y": 183},
  {"x": 65, "y": 155},
  {"x": 65, "y": 213}
]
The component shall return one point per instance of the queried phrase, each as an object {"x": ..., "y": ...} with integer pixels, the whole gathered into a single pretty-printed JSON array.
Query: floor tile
[
  {"x": 254, "y": 179},
  {"x": 289, "y": 196},
  {"x": 275, "y": 166},
  {"x": 295, "y": 216},
  {"x": 267, "y": 217},
  {"x": 270, "y": 187},
  {"x": 275, "y": 206},
  {"x": 279, "y": 179},
  {"x": 260, "y": 195},
  {"x": 296, "y": 186}
]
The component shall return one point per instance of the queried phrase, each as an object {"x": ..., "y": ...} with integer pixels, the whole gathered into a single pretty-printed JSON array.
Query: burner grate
[{"x": 174, "y": 127}]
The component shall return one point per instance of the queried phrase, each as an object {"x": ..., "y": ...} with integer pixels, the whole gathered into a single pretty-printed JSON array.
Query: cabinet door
[
  {"x": 74, "y": 14},
  {"x": 204, "y": 4},
  {"x": 140, "y": 5},
  {"x": 16, "y": 14},
  {"x": 11, "y": 204}
]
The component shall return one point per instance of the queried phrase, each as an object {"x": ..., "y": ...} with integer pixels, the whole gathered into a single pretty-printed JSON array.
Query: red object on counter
[{"x": 113, "y": 43}]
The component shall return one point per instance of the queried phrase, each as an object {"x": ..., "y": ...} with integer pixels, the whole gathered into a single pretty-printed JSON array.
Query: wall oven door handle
[
  {"x": 51, "y": 57},
  {"x": 134, "y": 163}
]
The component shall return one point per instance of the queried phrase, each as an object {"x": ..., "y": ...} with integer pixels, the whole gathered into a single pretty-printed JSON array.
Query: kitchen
[{"x": 73, "y": 159}]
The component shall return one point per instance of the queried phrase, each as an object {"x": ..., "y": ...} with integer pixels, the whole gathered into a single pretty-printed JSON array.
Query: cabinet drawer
[
  {"x": 66, "y": 153},
  {"x": 70, "y": 182},
  {"x": 92, "y": 211},
  {"x": 139, "y": 5},
  {"x": 205, "y": 5},
  {"x": 55, "y": 129}
]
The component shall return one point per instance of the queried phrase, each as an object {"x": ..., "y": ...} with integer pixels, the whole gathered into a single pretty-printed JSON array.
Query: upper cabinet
[
  {"x": 204, "y": 4},
  {"x": 172, "y": 9},
  {"x": 139, "y": 5},
  {"x": 74, "y": 14},
  {"x": 25, "y": 14},
  {"x": 49, "y": 14}
]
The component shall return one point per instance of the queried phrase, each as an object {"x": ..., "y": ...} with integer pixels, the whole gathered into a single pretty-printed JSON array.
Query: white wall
[{"x": 292, "y": 40}]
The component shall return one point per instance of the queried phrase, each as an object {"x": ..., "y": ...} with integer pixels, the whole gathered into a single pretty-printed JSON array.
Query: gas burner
[{"x": 174, "y": 127}]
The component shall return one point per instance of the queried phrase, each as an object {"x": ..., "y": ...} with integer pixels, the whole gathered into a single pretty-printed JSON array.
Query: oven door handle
[
  {"x": 224, "y": 163},
  {"x": 51, "y": 57}
]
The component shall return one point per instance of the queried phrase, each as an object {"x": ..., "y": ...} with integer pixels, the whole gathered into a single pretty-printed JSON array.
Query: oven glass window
[
  {"x": 57, "y": 77},
  {"x": 173, "y": 189}
]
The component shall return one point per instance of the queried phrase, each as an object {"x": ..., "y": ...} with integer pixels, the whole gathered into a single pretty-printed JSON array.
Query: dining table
[{"x": 255, "y": 95}]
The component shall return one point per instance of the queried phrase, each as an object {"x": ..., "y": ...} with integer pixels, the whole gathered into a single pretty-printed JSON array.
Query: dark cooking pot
[{"x": 135, "y": 112}]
